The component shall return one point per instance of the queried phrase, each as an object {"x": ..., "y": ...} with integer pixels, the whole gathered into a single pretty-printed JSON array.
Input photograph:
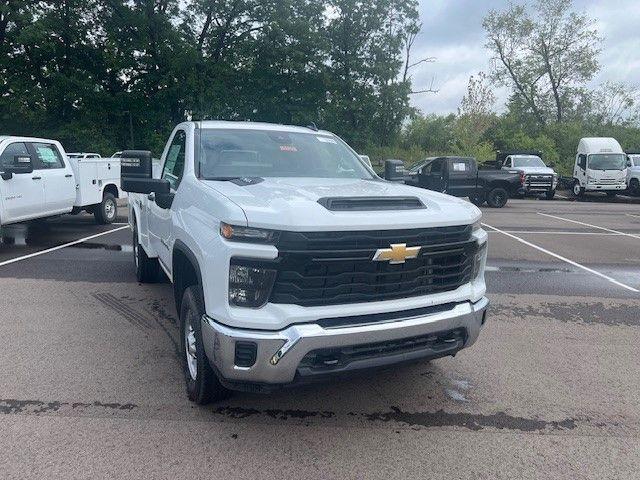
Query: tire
[
  {"x": 107, "y": 211},
  {"x": 478, "y": 199},
  {"x": 497, "y": 198},
  {"x": 202, "y": 384},
  {"x": 147, "y": 269},
  {"x": 611, "y": 194},
  {"x": 634, "y": 186},
  {"x": 550, "y": 194},
  {"x": 577, "y": 191}
]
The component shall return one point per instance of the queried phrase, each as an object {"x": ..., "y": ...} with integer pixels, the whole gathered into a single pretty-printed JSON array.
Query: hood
[
  {"x": 292, "y": 204},
  {"x": 534, "y": 170}
]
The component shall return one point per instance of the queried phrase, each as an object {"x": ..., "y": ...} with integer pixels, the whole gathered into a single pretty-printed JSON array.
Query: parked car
[
  {"x": 460, "y": 177},
  {"x": 39, "y": 180},
  {"x": 292, "y": 261},
  {"x": 536, "y": 178},
  {"x": 600, "y": 166},
  {"x": 633, "y": 172},
  {"x": 82, "y": 156}
]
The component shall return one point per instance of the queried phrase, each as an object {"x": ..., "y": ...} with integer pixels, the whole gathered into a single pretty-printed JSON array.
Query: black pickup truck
[{"x": 460, "y": 177}]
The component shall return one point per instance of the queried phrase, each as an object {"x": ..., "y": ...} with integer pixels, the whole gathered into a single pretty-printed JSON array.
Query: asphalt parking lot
[{"x": 90, "y": 385}]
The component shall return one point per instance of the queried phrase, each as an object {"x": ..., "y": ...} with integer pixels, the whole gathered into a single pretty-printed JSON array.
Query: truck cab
[
  {"x": 37, "y": 179},
  {"x": 292, "y": 261},
  {"x": 600, "y": 166}
]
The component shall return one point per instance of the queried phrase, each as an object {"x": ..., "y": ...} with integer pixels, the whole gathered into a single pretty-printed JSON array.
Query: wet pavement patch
[
  {"x": 14, "y": 406},
  {"x": 586, "y": 313},
  {"x": 472, "y": 421},
  {"x": 240, "y": 412}
]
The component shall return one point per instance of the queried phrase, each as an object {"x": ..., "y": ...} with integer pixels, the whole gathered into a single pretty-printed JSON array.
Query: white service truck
[
  {"x": 600, "y": 166},
  {"x": 38, "y": 180},
  {"x": 291, "y": 260},
  {"x": 633, "y": 172}
]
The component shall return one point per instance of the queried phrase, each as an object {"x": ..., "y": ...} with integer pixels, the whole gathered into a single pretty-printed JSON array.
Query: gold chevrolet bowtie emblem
[{"x": 398, "y": 253}]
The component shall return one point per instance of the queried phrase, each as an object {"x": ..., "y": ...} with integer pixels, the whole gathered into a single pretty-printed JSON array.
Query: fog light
[
  {"x": 246, "y": 354},
  {"x": 250, "y": 285}
]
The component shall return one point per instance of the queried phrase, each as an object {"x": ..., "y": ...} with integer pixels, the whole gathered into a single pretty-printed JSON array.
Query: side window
[
  {"x": 47, "y": 156},
  {"x": 13, "y": 149},
  {"x": 508, "y": 163},
  {"x": 582, "y": 161},
  {"x": 174, "y": 163},
  {"x": 436, "y": 166}
]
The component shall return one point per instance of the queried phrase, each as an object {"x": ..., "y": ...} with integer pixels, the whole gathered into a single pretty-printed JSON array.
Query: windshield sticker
[
  {"x": 288, "y": 148},
  {"x": 459, "y": 167},
  {"x": 327, "y": 140}
]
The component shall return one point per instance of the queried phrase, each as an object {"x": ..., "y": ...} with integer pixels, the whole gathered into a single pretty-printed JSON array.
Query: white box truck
[
  {"x": 600, "y": 166},
  {"x": 38, "y": 180}
]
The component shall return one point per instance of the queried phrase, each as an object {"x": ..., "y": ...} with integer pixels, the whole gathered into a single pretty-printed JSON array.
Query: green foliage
[{"x": 82, "y": 71}]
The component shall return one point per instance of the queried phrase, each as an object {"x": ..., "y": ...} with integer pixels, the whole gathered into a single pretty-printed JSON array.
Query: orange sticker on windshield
[{"x": 288, "y": 148}]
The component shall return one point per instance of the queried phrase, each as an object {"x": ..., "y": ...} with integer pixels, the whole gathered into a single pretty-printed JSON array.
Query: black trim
[
  {"x": 358, "y": 320},
  {"x": 178, "y": 288},
  {"x": 346, "y": 204}
]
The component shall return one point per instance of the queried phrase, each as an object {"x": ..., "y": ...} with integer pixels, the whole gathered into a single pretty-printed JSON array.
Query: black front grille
[
  {"x": 328, "y": 268},
  {"x": 538, "y": 182}
]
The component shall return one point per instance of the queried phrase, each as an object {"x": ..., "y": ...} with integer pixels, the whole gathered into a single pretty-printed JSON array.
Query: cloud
[{"x": 452, "y": 32}]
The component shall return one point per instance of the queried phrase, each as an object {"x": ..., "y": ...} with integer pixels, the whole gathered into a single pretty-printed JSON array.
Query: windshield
[
  {"x": 228, "y": 153},
  {"x": 418, "y": 166},
  {"x": 529, "y": 161},
  {"x": 607, "y": 161}
]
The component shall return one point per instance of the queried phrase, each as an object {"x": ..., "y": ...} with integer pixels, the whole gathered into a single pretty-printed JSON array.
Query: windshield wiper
[{"x": 242, "y": 181}]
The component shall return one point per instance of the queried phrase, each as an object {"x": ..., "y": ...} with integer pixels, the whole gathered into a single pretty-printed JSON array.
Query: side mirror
[
  {"x": 394, "y": 170},
  {"x": 136, "y": 173},
  {"x": 629, "y": 164},
  {"x": 21, "y": 164},
  {"x": 164, "y": 200}
]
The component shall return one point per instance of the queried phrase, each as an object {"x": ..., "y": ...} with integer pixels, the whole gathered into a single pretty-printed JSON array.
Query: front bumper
[
  {"x": 280, "y": 354},
  {"x": 594, "y": 187}
]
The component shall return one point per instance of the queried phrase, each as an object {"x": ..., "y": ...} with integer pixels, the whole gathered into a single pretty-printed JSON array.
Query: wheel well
[
  {"x": 499, "y": 184},
  {"x": 112, "y": 189},
  {"x": 185, "y": 273}
]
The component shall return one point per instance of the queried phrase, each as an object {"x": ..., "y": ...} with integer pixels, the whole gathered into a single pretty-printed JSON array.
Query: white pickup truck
[
  {"x": 38, "y": 180},
  {"x": 633, "y": 172},
  {"x": 291, "y": 260}
]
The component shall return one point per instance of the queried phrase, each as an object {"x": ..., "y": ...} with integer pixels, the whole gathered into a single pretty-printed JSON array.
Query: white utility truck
[
  {"x": 601, "y": 166},
  {"x": 291, "y": 260},
  {"x": 633, "y": 172},
  {"x": 40, "y": 181}
]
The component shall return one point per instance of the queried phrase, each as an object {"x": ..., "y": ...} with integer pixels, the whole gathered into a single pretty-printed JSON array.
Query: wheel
[
  {"x": 611, "y": 194},
  {"x": 550, "y": 194},
  {"x": 634, "y": 186},
  {"x": 497, "y": 198},
  {"x": 107, "y": 211},
  {"x": 147, "y": 269},
  {"x": 577, "y": 190},
  {"x": 477, "y": 199},
  {"x": 202, "y": 384}
]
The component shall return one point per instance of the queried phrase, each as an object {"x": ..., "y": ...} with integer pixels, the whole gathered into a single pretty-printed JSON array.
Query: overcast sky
[{"x": 453, "y": 33}]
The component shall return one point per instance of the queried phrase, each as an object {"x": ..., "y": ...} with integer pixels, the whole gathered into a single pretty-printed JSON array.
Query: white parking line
[
  {"x": 590, "y": 225},
  {"x": 632, "y": 215},
  {"x": 559, "y": 257},
  {"x": 528, "y": 232},
  {"x": 75, "y": 242}
]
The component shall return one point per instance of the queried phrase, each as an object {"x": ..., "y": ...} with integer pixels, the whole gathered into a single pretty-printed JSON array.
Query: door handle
[
  {"x": 68, "y": 175},
  {"x": 151, "y": 197},
  {"x": 36, "y": 178}
]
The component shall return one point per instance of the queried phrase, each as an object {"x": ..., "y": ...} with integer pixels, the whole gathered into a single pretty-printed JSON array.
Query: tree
[
  {"x": 475, "y": 114},
  {"x": 546, "y": 52},
  {"x": 616, "y": 103}
]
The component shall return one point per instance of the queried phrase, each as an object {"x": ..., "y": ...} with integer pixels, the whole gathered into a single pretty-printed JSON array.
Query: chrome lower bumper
[{"x": 279, "y": 353}]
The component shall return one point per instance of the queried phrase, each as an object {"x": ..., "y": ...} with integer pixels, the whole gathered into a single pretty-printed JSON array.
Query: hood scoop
[{"x": 370, "y": 204}]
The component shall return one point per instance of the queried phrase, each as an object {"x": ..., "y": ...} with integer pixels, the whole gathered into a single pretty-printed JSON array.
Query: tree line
[{"x": 110, "y": 74}]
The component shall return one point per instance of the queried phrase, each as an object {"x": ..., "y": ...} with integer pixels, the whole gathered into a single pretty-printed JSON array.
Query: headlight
[
  {"x": 247, "y": 234},
  {"x": 477, "y": 260},
  {"x": 249, "y": 284}
]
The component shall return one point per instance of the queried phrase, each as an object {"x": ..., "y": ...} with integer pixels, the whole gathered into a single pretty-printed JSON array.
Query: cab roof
[
  {"x": 599, "y": 145},
  {"x": 225, "y": 124}
]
